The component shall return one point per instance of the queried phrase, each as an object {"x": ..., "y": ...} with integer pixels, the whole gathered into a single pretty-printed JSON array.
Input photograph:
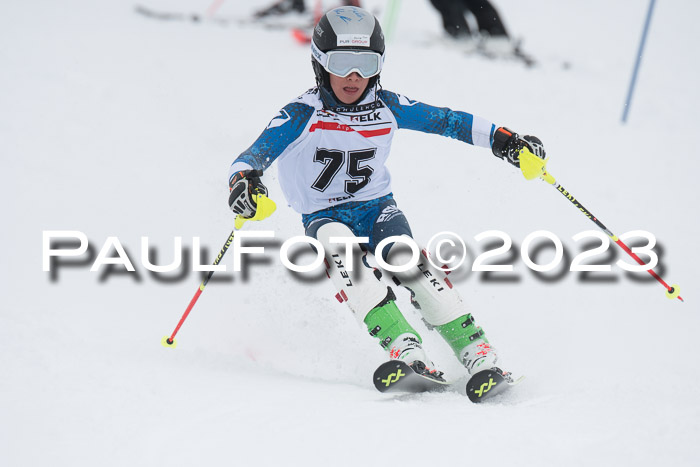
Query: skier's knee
[
  {"x": 432, "y": 292},
  {"x": 357, "y": 284}
]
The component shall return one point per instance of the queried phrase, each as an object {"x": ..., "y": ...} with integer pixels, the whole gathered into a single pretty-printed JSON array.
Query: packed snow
[{"x": 114, "y": 124}]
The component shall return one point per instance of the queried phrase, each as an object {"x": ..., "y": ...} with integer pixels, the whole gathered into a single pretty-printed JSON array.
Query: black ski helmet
[{"x": 341, "y": 23}]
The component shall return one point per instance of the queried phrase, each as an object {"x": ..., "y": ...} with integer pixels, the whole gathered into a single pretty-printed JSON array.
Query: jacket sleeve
[
  {"x": 414, "y": 115},
  {"x": 282, "y": 131}
]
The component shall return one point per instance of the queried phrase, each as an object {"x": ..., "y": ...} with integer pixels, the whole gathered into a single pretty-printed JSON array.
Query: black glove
[
  {"x": 244, "y": 187},
  {"x": 507, "y": 145}
]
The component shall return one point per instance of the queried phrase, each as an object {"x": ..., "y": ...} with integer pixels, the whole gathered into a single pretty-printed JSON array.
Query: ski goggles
[{"x": 343, "y": 62}]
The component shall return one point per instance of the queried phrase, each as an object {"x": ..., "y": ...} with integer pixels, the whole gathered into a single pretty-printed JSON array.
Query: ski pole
[
  {"x": 265, "y": 208},
  {"x": 169, "y": 341},
  {"x": 533, "y": 167}
]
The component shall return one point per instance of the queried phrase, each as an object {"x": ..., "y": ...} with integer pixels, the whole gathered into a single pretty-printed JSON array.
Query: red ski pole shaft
[
  {"x": 170, "y": 341},
  {"x": 671, "y": 291}
]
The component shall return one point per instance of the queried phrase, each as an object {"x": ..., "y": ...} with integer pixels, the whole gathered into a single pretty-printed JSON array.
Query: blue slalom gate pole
[{"x": 637, "y": 62}]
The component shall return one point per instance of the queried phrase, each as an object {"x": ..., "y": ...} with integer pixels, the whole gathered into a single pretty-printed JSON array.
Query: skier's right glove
[
  {"x": 507, "y": 145},
  {"x": 244, "y": 188}
]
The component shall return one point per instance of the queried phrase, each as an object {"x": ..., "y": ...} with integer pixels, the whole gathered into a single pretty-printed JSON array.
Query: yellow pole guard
[
  {"x": 533, "y": 167},
  {"x": 265, "y": 209}
]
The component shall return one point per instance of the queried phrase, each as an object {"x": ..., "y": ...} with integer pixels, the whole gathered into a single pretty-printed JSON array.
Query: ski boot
[
  {"x": 395, "y": 334},
  {"x": 478, "y": 356},
  {"x": 420, "y": 368},
  {"x": 408, "y": 349}
]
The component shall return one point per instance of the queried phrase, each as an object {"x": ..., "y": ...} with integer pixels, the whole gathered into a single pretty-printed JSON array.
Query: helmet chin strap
[
  {"x": 330, "y": 100},
  {"x": 328, "y": 97}
]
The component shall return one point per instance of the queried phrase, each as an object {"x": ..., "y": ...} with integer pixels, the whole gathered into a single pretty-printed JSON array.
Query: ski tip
[
  {"x": 489, "y": 383},
  {"x": 168, "y": 342},
  {"x": 389, "y": 373},
  {"x": 398, "y": 376}
]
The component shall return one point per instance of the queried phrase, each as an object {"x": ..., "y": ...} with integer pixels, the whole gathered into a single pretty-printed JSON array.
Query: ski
[
  {"x": 397, "y": 376},
  {"x": 516, "y": 54},
  {"x": 178, "y": 16},
  {"x": 301, "y": 22},
  {"x": 489, "y": 383}
]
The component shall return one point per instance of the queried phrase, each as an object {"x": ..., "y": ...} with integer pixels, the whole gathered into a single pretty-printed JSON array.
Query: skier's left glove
[
  {"x": 507, "y": 145},
  {"x": 244, "y": 187}
]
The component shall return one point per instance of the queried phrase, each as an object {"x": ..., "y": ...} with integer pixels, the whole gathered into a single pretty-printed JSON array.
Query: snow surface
[{"x": 114, "y": 124}]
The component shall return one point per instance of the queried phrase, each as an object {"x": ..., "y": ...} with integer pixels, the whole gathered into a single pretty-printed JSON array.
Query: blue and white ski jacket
[{"x": 329, "y": 157}]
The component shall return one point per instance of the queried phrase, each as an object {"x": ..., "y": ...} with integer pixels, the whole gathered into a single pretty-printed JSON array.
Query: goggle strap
[{"x": 320, "y": 56}]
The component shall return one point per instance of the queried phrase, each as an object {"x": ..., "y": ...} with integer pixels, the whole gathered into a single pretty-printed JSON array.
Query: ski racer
[{"x": 331, "y": 145}]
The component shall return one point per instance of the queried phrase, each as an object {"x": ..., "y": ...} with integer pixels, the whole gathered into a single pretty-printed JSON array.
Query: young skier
[{"x": 331, "y": 144}]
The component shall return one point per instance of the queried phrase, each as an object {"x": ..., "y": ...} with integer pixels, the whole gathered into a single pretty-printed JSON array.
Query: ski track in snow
[{"x": 115, "y": 124}]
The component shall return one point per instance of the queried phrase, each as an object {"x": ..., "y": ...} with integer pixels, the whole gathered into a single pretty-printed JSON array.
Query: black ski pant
[{"x": 454, "y": 20}]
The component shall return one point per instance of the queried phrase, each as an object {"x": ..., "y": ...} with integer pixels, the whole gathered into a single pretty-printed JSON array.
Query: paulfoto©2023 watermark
[{"x": 445, "y": 250}]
